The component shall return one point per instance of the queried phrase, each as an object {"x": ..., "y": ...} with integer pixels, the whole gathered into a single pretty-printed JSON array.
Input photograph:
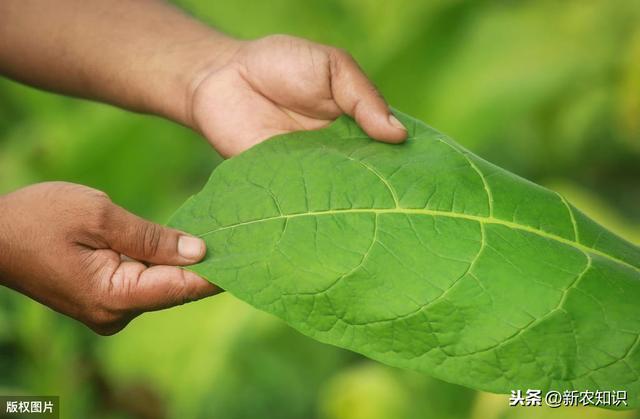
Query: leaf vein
[{"x": 433, "y": 213}]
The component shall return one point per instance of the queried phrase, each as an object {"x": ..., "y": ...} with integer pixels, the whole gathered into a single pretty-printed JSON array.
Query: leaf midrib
[{"x": 420, "y": 211}]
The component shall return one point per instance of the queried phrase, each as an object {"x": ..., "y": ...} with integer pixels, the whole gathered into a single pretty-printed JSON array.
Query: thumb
[
  {"x": 356, "y": 96},
  {"x": 142, "y": 240}
]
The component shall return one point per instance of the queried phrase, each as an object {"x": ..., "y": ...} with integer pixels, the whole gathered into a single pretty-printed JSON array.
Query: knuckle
[
  {"x": 80, "y": 211},
  {"x": 338, "y": 59},
  {"x": 151, "y": 236},
  {"x": 372, "y": 90},
  {"x": 101, "y": 214},
  {"x": 92, "y": 208},
  {"x": 179, "y": 294},
  {"x": 99, "y": 196},
  {"x": 341, "y": 54}
]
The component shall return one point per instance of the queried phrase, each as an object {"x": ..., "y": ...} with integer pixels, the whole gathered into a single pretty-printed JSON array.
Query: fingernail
[
  {"x": 190, "y": 247},
  {"x": 396, "y": 123}
]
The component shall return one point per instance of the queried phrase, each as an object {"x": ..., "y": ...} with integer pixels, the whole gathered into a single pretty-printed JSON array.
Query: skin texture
[
  {"x": 61, "y": 244},
  {"x": 281, "y": 84},
  {"x": 68, "y": 246}
]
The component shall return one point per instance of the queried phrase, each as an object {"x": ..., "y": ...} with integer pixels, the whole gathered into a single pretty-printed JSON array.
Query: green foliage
[{"x": 423, "y": 256}]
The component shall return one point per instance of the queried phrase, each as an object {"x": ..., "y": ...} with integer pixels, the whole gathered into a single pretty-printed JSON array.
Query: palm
[{"x": 273, "y": 86}]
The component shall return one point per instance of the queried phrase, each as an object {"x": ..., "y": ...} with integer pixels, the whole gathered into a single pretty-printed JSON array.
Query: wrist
[{"x": 185, "y": 68}]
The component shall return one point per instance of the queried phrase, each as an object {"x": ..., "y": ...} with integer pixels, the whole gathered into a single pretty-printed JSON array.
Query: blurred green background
[{"x": 549, "y": 90}]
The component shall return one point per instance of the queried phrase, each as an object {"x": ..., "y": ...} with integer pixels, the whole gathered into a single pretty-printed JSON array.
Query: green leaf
[{"x": 423, "y": 256}]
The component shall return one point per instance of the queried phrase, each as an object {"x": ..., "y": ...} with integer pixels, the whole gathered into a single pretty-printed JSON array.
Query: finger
[
  {"x": 137, "y": 288},
  {"x": 358, "y": 97},
  {"x": 142, "y": 240}
]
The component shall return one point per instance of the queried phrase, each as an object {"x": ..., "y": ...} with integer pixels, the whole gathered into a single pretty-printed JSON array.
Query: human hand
[
  {"x": 61, "y": 244},
  {"x": 152, "y": 58},
  {"x": 280, "y": 84}
]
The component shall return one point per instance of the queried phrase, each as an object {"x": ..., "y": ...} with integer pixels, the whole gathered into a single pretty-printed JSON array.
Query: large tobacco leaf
[{"x": 423, "y": 256}]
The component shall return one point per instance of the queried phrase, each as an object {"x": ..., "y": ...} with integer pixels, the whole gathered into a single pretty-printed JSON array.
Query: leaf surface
[{"x": 423, "y": 256}]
